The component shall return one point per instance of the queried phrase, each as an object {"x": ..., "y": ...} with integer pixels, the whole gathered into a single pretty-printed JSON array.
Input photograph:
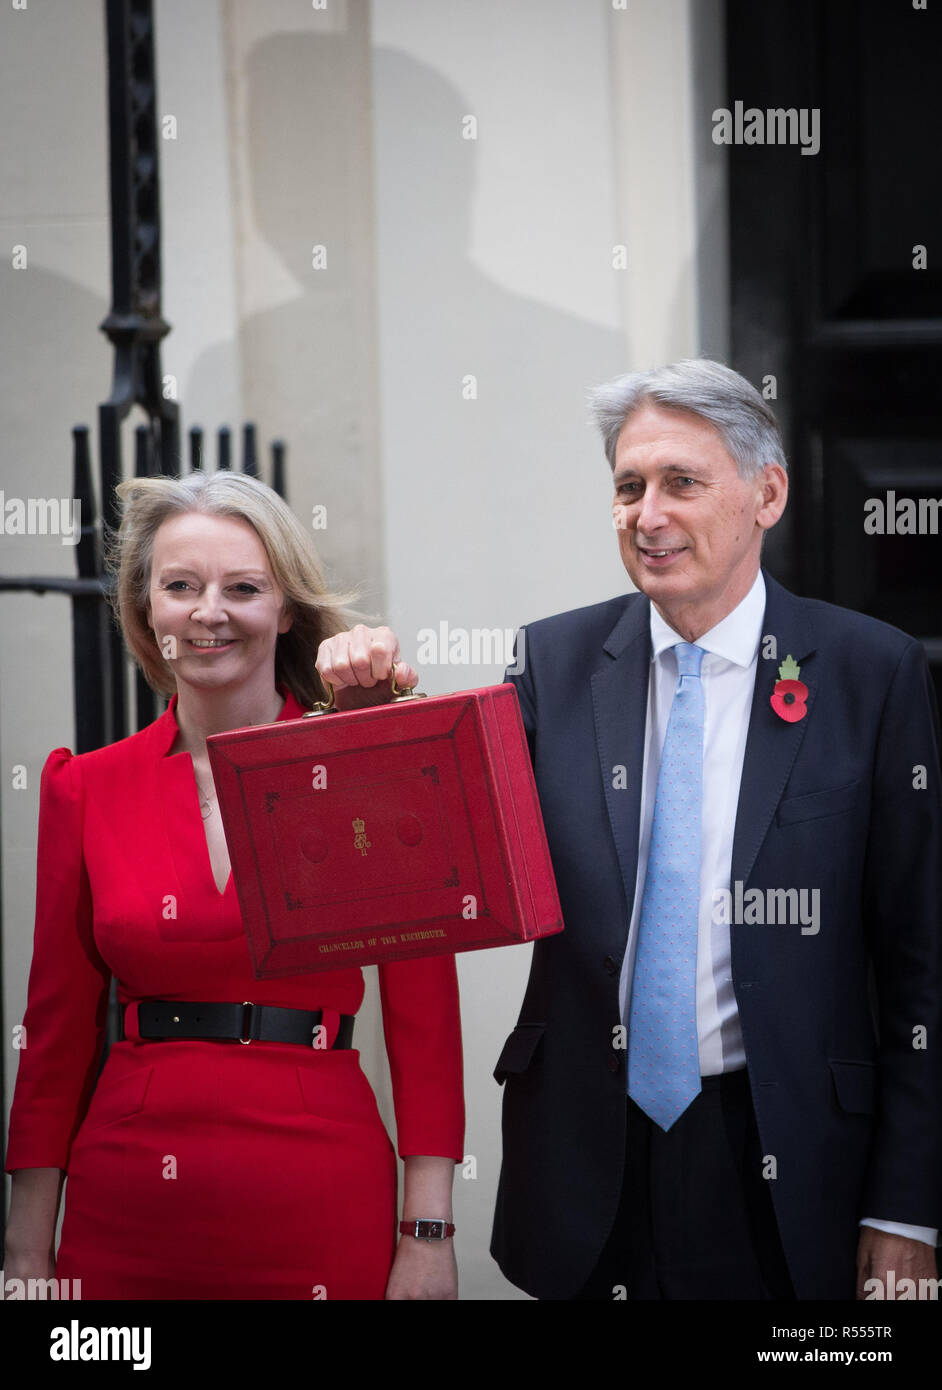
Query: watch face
[{"x": 427, "y": 1228}]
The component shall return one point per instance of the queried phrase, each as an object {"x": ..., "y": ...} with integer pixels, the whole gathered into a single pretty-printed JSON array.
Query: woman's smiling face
[{"x": 213, "y": 602}]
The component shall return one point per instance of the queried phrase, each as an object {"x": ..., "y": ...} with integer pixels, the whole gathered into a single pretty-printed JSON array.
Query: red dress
[{"x": 206, "y": 1169}]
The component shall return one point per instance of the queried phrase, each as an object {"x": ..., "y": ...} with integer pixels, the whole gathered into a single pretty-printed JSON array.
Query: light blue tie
[{"x": 663, "y": 1056}]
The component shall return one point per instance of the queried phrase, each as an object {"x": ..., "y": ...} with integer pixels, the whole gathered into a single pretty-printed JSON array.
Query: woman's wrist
[
  {"x": 34, "y": 1211},
  {"x": 29, "y": 1247},
  {"x": 427, "y": 1189}
]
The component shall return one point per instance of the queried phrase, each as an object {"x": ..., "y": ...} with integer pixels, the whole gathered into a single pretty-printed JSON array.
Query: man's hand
[
  {"x": 878, "y": 1252},
  {"x": 423, "y": 1269},
  {"x": 360, "y": 664}
]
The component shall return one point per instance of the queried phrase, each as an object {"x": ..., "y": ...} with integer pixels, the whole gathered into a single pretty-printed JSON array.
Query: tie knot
[{"x": 688, "y": 659}]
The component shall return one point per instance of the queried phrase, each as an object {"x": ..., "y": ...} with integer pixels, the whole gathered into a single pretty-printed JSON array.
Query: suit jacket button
[
  {"x": 614, "y": 1062},
  {"x": 610, "y": 965}
]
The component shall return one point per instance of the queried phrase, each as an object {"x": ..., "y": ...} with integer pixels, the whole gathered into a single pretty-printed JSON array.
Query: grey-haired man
[{"x": 699, "y": 1102}]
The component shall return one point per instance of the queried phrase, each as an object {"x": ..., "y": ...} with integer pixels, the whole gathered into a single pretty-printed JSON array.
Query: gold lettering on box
[{"x": 360, "y": 841}]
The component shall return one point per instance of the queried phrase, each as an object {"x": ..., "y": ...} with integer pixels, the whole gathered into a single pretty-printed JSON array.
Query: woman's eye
[{"x": 246, "y": 589}]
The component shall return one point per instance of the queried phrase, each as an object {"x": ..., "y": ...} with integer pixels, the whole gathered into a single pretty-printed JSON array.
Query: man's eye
[
  {"x": 625, "y": 489},
  {"x": 686, "y": 482}
]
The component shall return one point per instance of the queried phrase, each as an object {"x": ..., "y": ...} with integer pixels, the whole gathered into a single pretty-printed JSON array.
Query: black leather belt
[{"x": 161, "y": 1020}]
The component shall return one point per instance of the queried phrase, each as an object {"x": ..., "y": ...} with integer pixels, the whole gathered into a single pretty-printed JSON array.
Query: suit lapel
[
  {"x": 772, "y": 744},
  {"x": 620, "y": 705}
]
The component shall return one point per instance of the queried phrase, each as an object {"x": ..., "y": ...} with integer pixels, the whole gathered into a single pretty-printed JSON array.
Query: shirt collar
[{"x": 735, "y": 638}]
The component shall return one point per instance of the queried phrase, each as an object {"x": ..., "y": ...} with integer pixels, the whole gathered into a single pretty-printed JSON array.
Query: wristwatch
[{"x": 427, "y": 1229}]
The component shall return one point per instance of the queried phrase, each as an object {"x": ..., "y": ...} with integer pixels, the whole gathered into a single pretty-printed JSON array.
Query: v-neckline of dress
[
  {"x": 208, "y": 857},
  {"x": 289, "y": 710}
]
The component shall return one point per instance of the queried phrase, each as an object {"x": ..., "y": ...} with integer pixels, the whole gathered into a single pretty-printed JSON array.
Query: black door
[{"x": 836, "y": 276}]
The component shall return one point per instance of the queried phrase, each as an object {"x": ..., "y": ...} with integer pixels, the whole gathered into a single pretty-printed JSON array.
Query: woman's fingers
[
  {"x": 363, "y": 656},
  {"x": 406, "y": 676}
]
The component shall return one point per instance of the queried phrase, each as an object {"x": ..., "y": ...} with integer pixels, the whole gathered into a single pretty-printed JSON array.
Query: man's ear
[{"x": 773, "y": 495}]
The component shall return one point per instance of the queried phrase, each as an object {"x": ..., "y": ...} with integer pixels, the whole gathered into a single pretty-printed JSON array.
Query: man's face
[{"x": 689, "y": 527}]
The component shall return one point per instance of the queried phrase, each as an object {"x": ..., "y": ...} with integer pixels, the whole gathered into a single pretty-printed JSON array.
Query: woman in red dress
[{"x": 203, "y": 1169}]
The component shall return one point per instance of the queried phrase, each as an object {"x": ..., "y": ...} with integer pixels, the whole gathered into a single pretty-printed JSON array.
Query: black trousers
[{"x": 695, "y": 1219}]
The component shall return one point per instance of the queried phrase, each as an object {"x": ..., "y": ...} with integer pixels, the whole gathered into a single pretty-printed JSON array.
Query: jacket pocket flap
[
  {"x": 855, "y": 1085},
  {"x": 118, "y": 1098},
  {"x": 518, "y": 1050},
  {"x": 813, "y": 805}
]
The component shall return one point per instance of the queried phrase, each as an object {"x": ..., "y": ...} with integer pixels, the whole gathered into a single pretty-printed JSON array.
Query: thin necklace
[{"x": 206, "y": 801}]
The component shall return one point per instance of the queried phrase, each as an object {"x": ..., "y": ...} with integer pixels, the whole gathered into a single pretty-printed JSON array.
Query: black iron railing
[{"x": 135, "y": 327}]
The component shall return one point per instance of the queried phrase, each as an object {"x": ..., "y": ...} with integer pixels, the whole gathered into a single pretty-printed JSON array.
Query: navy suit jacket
[{"x": 847, "y": 1086}]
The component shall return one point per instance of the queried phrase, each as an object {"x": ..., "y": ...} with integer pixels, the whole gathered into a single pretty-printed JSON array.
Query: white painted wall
[
  {"x": 495, "y": 261},
  {"x": 56, "y": 368},
  {"x": 447, "y": 259}
]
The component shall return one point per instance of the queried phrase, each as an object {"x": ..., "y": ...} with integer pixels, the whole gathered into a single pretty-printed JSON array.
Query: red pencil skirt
[{"x": 212, "y": 1170}]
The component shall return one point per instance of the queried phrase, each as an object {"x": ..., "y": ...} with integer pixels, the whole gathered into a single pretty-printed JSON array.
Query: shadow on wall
[
  {"x": 310, "y": 361},
  {"x": 58, "y": 370}
]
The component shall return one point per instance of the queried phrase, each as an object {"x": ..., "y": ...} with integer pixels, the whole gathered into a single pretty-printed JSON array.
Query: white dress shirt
[{"x": 728, "y": 673}]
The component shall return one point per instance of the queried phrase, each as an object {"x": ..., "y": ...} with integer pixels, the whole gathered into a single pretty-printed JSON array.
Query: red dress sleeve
[
  {"x": 422, "y": 1025},
  {"x": 67, "y": 998}
]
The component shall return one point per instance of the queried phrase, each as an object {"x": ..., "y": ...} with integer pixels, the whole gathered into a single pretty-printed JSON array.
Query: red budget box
[{"x": 406, "y": 829}]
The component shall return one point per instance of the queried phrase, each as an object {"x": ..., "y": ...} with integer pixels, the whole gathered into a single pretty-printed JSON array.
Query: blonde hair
[{"x": 316, "y": 611}]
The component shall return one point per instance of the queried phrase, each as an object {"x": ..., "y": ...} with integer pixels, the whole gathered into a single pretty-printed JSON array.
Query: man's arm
[
  {"x": 902, "y": 896},
  {"x": 927, "y": 1234},
  {"x": 519, "y": 676}
]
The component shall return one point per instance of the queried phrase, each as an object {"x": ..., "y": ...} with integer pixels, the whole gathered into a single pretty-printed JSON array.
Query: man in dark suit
[{"x": 725, "y": 1080}]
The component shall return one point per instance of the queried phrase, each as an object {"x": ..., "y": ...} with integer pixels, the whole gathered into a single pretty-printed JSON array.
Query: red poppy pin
[{"x": 790, "y": 694}]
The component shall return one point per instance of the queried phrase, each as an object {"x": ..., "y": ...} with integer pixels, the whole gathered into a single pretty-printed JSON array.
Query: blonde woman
[{"x": 200, "y": 1168}]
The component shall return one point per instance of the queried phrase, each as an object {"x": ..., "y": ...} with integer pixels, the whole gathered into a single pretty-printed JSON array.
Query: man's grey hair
[{"x": 708, "y": 389}]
